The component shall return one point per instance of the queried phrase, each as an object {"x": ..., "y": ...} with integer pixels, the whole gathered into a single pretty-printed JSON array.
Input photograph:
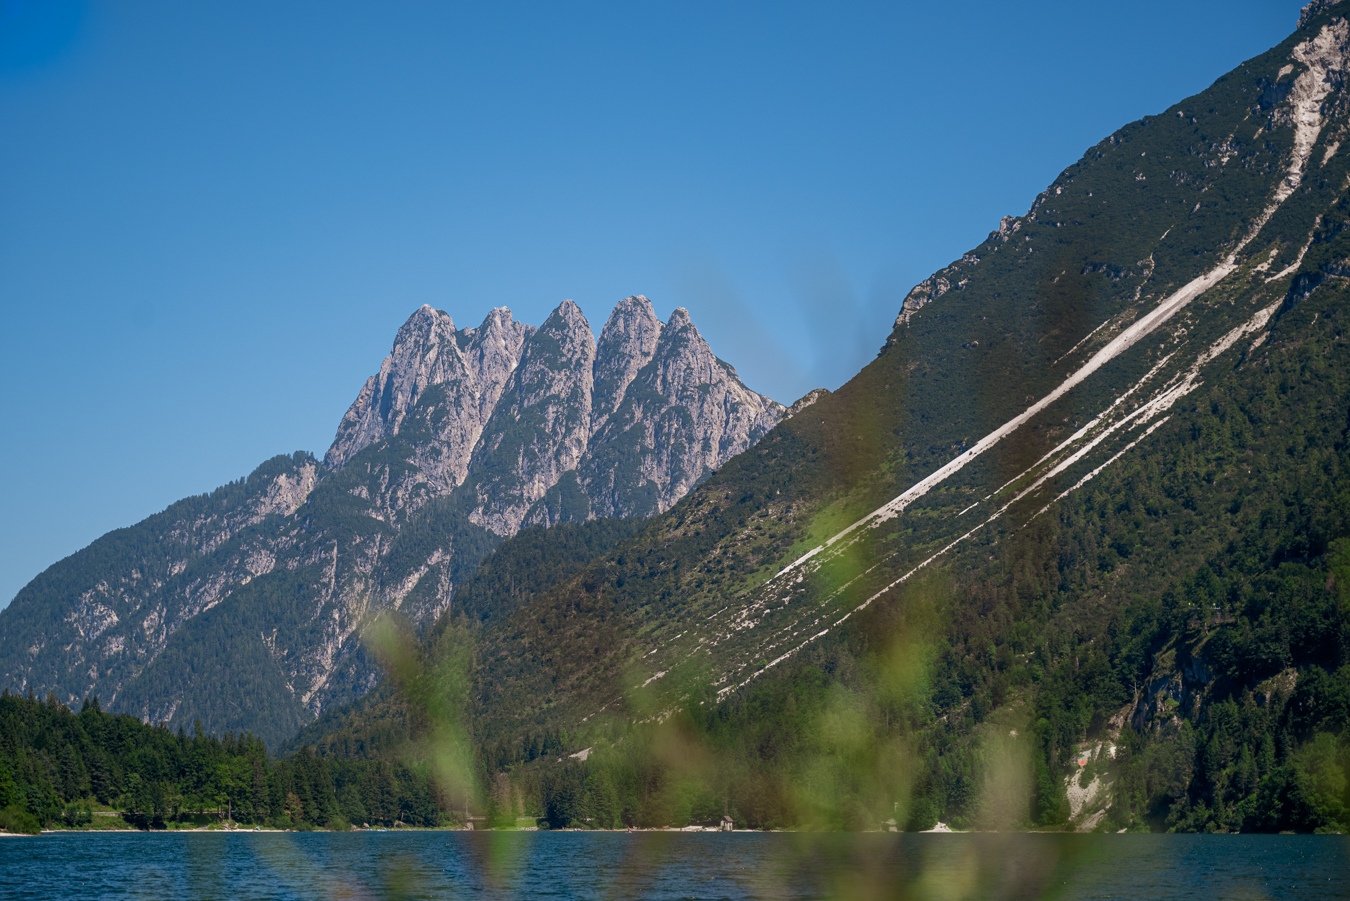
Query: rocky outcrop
[
  {"x": 952, "y": 278},
  {"x": 286, "y": 492},
  {"x": 1313, "y": 8},
  {"x": 627, "y": 344},
  {"x": 417, "y": 360},
  {"x": 805, "y": 401}
]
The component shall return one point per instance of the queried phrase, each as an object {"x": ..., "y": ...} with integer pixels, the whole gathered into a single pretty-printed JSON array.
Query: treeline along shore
[
  {"x": 768, "y": 762},
  {"x": 62, "y": 769}
]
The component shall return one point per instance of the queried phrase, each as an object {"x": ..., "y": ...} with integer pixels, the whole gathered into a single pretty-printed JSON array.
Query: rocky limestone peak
[
  {"x": 424, "y": 353},
  {"x": 458, "y": 410},
  {"x": 493, "y": 352},
  {"x": 626, "y": 344},
  {"x": 683, "y": 357},
  {"x": 684, "y": 367},
  {"x": 569, "y": 312},
  {"x": 684, "y": 414},
  {"x": 470, "y": 368},
  {"x": 541, "y": 425},
  {"x": 553, "y": 356}
]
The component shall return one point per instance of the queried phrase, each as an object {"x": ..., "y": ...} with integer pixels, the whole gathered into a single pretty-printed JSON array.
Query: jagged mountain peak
[
  {"x": 679, "y": 416},
  {"x": 569, "y": 312},
  {"x": 497, "y": 319},
  {"x": 470, "y": 367},
  {"x": 540, "y": 428},
  {"x": 425, "y": 323},
  {"x": 681, "y": 335},
  {"x": 420, "y": 336},
  {"x": 626, "y": 344},
  {"x": 805, "y": 401},
  {"x": 426, "y": 313},
  {"x": 684, "y": 354},
  {"x": 632, "y": 314},
  {"x": 425, "y": 353},
  {"x": 565, "y": 332}
]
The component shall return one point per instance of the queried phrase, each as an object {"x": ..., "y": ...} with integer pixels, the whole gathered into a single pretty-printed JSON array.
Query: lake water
[{"x": 195, "y": 867}]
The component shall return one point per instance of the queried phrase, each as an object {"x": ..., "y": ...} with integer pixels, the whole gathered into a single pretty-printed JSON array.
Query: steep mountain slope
[
  {"x": 518, "y": 570},
  {"x": 245, "y": 608},
  {"x": 539, "y": 430},
  {"x": 1091, "y": 384},
  {"x": 97, "y": 617}
]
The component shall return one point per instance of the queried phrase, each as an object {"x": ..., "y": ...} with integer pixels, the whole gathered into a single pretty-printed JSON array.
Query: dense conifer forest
[{"x": 92, "y": 769}]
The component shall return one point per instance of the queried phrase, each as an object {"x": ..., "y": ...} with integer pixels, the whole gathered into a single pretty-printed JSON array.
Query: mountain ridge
[{"x": 459, "y": 440}]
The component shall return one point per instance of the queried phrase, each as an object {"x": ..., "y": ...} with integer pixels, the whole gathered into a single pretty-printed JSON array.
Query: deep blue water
[{"x": 188, "y": 867}]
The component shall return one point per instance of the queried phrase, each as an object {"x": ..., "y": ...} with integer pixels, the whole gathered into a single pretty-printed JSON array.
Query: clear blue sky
[{"x": 214, "y": 216}]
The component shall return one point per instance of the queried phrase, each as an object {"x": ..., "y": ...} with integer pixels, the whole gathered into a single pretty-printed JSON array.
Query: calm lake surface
[{"x": 187, "y": 867}]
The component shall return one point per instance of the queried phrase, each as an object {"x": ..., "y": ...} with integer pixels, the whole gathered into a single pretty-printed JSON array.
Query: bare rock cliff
[
  {"x": 541, "y": 425},
  {"x": 683, "y": 414},
  {"x": 466, "y": 373}
]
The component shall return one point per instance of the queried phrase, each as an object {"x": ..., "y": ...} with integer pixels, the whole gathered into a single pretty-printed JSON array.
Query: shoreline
[{"x": 668, "y": 831}]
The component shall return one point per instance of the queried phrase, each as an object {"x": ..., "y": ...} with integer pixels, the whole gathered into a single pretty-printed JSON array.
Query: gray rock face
[
  {"x": 627, "y": 343},
  {"x": 953, "y": 278},
  {"x": 683, "y": 414},
  {"x": 417, "y": 360},
  {"x": 542, "y": 423},
  {"x": 805, "y": 401},
  {"x": 465, "y": 373},
  {"x": 460, "y": 439},
  {"x": 1313, "y": 8}
]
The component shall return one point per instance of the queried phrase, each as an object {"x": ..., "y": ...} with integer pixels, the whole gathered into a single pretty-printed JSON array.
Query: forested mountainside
[
  {"x": 519, "y": 570},
  {"x": 1070, "y": 552},
  {"x": 98, "y": 617},
  {"x": 245, "y": 608}
]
